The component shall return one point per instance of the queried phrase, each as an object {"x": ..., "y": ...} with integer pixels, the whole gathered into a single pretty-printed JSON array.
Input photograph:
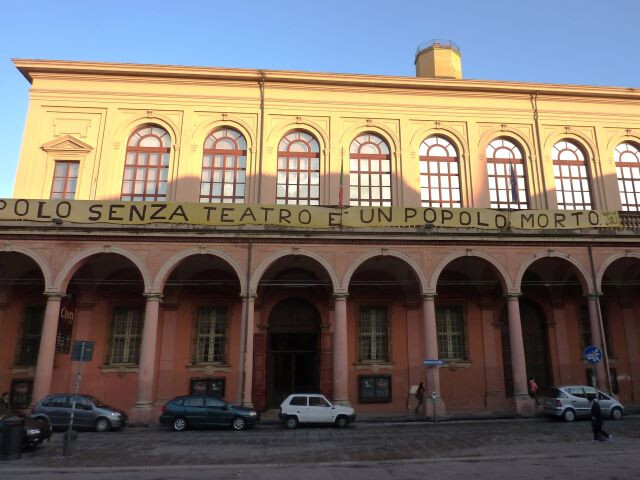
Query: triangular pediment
[{"x": 68, "y": 144}]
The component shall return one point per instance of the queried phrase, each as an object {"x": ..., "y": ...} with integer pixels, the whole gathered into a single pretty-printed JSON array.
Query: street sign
[
  {"x": 592, "y": 354},
  {"x": 82, "y": 351},
  {"x": 432, "y": 362}
]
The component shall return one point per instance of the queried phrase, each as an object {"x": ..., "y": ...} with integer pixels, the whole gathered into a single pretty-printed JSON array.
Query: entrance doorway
[
  {"x": 536, "y": 351},
  {"x": 294, "y": 362}
]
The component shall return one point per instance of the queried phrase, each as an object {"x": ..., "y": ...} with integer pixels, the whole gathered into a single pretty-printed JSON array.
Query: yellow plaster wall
[{"x": 102, "y": 105}]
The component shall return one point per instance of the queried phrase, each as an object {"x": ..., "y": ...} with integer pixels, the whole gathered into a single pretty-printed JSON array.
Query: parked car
[
  {"x": 35, "y": 431},
  {"x": 191, "y": 411},
  {"x": 89, "y": 414},
  {"x": 574, "y": 401},
  {"x": 300, "y": 408}
]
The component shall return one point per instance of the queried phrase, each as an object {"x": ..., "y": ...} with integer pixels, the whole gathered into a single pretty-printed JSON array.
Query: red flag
[{"x": 341, "y": 187}]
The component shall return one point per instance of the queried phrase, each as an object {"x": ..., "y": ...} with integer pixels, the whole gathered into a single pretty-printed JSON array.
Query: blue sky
[{"x": 563, "y": 41}]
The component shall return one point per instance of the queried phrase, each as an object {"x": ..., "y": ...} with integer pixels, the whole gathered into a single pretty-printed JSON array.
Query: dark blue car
[{"x": 193, "y": 411}]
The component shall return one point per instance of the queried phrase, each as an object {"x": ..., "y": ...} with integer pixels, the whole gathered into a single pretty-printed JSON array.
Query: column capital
[
  {"x": 592, "y": 295},
  {"x": 429, "y": 295},
  {"x": 54, "y": 295},
  {"x": 340, "y": 295},
  {"x": 248, "y": 297},
  {"x": 152, "y": 296},
  {"x": 511, "y": 294}
]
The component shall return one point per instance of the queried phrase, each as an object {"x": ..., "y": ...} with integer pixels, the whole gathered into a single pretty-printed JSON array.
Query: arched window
[
  {"x": 146, "y": 168},
  {"x": 439, "y": 174},
  {"x": 627, "y": 158},
  {"x": 505, "y": 171},
  {"x": 573, "y": 189},
  {"x": 369, "y": 171},
  {"x": 298, "y": 170},
  {"x": 224, "y": 166}
]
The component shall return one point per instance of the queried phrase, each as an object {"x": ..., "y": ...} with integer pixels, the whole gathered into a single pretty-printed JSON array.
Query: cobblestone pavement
[{"x": 389, "y": 445}]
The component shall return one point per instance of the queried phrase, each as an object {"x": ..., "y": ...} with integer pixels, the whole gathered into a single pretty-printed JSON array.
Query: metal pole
[{"x": 77, "y": 389}]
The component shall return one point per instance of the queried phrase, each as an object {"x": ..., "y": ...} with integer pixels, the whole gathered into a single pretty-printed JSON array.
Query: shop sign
[
  {"x": 297, "y": 216},
  {"x": 65, "y": 325}
]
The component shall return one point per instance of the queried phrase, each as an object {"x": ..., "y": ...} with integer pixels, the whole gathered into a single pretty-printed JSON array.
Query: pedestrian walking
[
  {"x": 420, "y": 396},
  {"x": 533, "y": 390},
  {"x": 599, "y": 435}
]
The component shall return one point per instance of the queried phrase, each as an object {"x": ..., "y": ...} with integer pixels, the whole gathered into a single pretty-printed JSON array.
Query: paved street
[{"x": 535, "y": 448}]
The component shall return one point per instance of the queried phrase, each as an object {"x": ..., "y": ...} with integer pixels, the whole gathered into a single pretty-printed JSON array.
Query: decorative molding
[
  {"x": 208, "y": 368},
  {"x": 66, "y": 144}
]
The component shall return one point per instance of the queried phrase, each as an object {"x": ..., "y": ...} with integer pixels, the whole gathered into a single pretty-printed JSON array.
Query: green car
[{"x": 206, "y": 411}]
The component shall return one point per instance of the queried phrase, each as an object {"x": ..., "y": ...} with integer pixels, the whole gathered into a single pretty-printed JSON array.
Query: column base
[
  {"x": 435, "y": 408},
  {"x": 525, "y": 405},
  {"x": 141, "y": 415}
]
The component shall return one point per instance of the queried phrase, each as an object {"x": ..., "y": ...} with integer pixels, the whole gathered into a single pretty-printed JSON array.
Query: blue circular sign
[{"x": 592, "y": 354}]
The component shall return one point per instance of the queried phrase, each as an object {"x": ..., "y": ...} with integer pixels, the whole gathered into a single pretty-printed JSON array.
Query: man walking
[{"x": 596, "y": 422}]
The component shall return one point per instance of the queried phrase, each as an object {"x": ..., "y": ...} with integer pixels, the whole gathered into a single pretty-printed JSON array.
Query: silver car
[
  {"x": 89, "y": 414},
  {"x": 574, "y": 401}
]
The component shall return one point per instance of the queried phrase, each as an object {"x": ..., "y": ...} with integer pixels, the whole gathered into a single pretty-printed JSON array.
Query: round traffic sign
[{"x": 592, "y": 354}]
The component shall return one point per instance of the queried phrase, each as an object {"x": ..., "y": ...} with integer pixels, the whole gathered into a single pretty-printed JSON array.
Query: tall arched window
[
  {"x": 505, "y": 171},
  {"x": 627, "y": 158},
  {"x": 298, "y": 170},
  {"x": 146, "y": 168},
  {"x": 224, "y": 166},
  {"x": 369, "y": 171},
  {"x": 439, "y": 173},
  {"x": 573, "y": 188}
]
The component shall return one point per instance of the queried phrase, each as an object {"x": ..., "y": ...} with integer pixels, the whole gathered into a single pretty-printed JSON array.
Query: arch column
[
  {"x": 141, "y": 413},
  {"x": 340, "y": 351},
  {"x": 597, "y": 340},
  {"x": 249, "y": 308},
  {"x": 524, "y": 403},
  {"x": 47, "y": 350},
  {"x": 434, "y": 405}
]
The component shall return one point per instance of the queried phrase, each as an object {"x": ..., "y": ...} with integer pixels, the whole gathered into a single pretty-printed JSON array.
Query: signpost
[
  {"x": 592, "y": 354},
  {"x": 82, "y": 351},
  {"x": 433, "y": 363}
]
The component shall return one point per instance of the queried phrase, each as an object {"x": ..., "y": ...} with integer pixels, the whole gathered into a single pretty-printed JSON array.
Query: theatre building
[{"x": 258, "y": 232}]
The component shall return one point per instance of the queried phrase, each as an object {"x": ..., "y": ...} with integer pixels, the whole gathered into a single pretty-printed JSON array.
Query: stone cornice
[{"x": 33, "y": 68}]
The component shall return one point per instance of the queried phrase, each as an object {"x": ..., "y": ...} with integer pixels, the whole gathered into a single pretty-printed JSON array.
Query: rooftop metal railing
[{"x": 438, "y": 43}]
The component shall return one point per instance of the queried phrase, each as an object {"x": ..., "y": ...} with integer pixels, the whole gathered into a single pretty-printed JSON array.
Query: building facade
[{"x": 264, "y": 306}]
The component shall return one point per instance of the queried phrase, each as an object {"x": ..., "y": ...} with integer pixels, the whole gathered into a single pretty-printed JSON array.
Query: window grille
[
  {"x": 627, "y": 160},
  {"x": 439, "y": 174},
  {"x": 224, "y": 167},
  {"x": 146, "y": 168},
  {"x": 573, "y": 188},
  {"x": 65, "y": 178},
  {"x": 369, "y": 172},
  {"x": 210, "y": 336},
  {"x": 298, "y": 170},
  {"x": 506, "y": 175},
  {"x": 125, "y": 339},
  {"x": 27, "y": 353},
  {"x": 373, "y": 334},
  {"x": 451, "y": 334}
]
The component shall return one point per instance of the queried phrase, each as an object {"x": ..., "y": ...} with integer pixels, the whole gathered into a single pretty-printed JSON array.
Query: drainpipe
[
  {"x": 243, "y": 328},
  {"x": 534, "y": 104},
  {"x": 261, "y": 151},
  {"x": 605, "y": 353}
]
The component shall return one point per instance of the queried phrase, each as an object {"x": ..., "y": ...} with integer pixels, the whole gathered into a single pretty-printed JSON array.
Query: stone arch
[
  {"x": 206, "y": 128},
  {"x": 422, "y": 282},
  {"x": 387, "y": 134},
  {"x": 616, "y": 140},
  {"x": 583, "y": 275},
  {"x": 270, "y": 260},
  {"x": 273, "y": 140},
  {"x": 505, "y": 279},
  {"x": 168, "y": 266},
  {"x": 581, "y": 140},
  {"x": 510, "y": 134},
  {"x": 607, "y": 263},
  {"x": 449, "y": 133},
  {"x": 45, "y": 269},
  {"x": 125, "y": 130},
  {"x": 73, "y": 264}
]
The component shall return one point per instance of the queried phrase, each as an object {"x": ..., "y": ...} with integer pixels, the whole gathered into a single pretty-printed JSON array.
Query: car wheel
[
  {"x": 342, "y": 422},
  {"x": 103, "y": 425},
  {"x": 179, "y": 424},
  {"x": 616, "y": 413},
  {"x": 569, "y": 415},
  {"x": 238, "y": 423},
  {"x": 291, "y": 422}
]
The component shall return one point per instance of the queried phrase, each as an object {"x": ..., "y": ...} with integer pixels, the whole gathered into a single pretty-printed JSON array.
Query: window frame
[
  {"x": 132, "y": 337},
  {"x": 515, "y": 159},
  {"x": 236, "y": 154},
  {"x": 162, "y": 167},
  {"x": 28, "y": 349},
  {"x": 427, "y": 161},
  {"x": 463, "y": 333},
  {"x": 214, "y": 356},
  {"x": 288, "y": 172},
  {"x": 65, "y": 194},
  {"x": 628, "y": 181},
  {"x": 357, "y": 174},
  {"x": 560, "y": 178},
  {"x": 373, "y": 335}
]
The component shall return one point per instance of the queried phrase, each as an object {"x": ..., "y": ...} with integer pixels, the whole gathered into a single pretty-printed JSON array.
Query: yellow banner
[{"x": 297, "y": 216}]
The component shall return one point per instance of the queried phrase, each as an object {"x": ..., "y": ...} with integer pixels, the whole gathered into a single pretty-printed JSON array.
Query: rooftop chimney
[{"x": 438, "y": 59}]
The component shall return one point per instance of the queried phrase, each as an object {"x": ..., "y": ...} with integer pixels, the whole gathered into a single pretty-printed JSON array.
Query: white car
[{"x": 314, "y": 408}]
